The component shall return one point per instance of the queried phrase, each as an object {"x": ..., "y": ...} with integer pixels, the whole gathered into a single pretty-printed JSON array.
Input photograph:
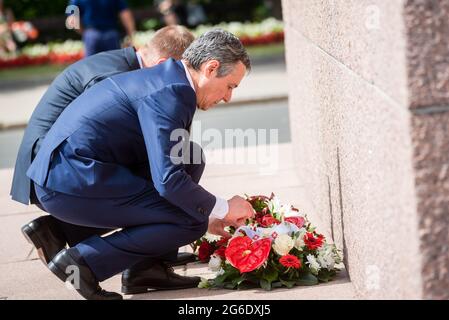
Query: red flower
[
  {"x": 246, "y": 255},
  {"x": 205, "y": 251},
  {"x": 298, "y": 221},
  {"x": 220, "y": 252},
  {"x": 222, "y": 242},
  {"x": 313, "y": 242},
  {"x": 290, "y": 261},
  {"x": 268, "y": 220}
]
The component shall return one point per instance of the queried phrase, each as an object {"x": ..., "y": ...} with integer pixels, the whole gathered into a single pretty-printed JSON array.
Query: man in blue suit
[
  {"x": 89, "y": 167},
  {"x": 46, "y": 233}
]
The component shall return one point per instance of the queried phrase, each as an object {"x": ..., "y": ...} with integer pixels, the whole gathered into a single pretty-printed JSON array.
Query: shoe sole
[
  {"x": 136, "y": 290},
  {"x": 32, "y": 239},
  {"x": 57, "y": 272}
]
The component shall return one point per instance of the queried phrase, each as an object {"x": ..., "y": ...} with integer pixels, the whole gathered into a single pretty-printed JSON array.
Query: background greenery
[
  {"x": 217, "y": 10},
  {"x": 49, "y": 15}
]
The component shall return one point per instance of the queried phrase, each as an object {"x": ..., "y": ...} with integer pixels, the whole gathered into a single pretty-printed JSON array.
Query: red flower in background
[
  {"x": 313, "y": 242},
  {"x": 205, "y": 251},
  {"x": 298, "y": 221},
  {"x": 290, "y": 261},
  {"x": 246, "y": 255}
]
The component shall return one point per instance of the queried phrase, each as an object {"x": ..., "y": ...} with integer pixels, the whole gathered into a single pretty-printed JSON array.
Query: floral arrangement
[
  {"x": 277, "y": 248},
  {"x": 265, "y": 32}
]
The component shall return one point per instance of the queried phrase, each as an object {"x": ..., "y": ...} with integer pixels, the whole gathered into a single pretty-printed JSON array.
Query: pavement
[
  {"x": 18, "y": 103},
  {"x": 23, "y": 276}
]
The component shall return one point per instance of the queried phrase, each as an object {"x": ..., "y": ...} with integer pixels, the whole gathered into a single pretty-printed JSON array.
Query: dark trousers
[
  {"x": 96, "y": 41},
  {"x": 151, "y": 227}
]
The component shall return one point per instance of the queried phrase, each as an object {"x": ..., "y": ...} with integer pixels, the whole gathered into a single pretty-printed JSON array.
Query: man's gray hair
[{"x": 219, "y": 45}]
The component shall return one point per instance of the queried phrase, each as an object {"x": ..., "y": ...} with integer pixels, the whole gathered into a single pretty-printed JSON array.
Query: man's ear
[
  {"x": 212, "y": 67},
  {"x": 160, "y": 60}
]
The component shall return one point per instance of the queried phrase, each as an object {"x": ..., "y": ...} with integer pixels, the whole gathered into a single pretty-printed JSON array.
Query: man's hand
[
  {"x": 239, "y": 211},
  {"x": 216, "y": 226}
]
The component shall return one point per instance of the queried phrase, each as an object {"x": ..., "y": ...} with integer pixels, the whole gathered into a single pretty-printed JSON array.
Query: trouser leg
[{"x": 152, "y": 227}]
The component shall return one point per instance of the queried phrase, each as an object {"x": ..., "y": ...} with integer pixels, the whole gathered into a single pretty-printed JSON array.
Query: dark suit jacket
[
  {"x": 121, "y": 123},
  {"x": 65, "y": 88}
]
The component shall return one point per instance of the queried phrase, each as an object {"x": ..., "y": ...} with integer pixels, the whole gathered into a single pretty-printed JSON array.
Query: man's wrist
[{"x": 220, "y": 209}]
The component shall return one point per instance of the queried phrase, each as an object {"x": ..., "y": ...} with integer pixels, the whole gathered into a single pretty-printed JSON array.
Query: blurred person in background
[
  {"x": 7, "y": 43},
  {"x": 173, "y": 12},
  {"x": 99, "y": 24}
]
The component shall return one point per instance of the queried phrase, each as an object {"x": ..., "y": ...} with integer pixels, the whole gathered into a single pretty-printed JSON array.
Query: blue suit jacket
[
  {"x": 119, "y": 124},
  {"x": 68, "y": 86}
]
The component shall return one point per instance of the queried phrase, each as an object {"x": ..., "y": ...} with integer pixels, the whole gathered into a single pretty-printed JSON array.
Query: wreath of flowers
[{"x": 277, "y": 248}]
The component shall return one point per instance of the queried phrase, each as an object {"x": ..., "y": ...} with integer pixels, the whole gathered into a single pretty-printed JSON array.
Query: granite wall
[{"x": 369, "y": 105}]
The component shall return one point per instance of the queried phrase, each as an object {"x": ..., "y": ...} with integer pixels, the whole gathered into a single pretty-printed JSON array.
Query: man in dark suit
[
  {"x": 85, "y": 171},
  {"x": 46, "y": 233}
]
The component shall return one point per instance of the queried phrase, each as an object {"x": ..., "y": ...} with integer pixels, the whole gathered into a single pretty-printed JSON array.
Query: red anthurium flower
[
  {"x": 313, "y": 242},
  {"x": 246, "y": 255},
  {"x": 268, "y": 220},
  {"x": 205, "y": 251},
  {"x": 290, "y": 261},
  {"x": 298, "y": 221}
]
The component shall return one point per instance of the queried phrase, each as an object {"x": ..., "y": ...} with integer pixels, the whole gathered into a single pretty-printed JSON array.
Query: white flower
[
  {"x": 274, "y": 205},
  {"x": 326, "y": 257},
  {"x": 313, "y": 264},
  {"x": 286, "y": 211},
  {"x": 283, "y": 244},
  {"x": 220, "y": 272},
  {"x": 299, "y": 242},
  {"x": 215, "y": 263},
  {"x": 204, "y": 283},
  {"x": 211, "y": 237}
]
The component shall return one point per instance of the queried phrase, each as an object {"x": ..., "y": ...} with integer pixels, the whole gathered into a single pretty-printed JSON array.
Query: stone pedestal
[{"x": 369, "y": 108}]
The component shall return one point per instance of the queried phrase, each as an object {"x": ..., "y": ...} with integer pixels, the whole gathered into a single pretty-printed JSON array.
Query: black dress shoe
[
  {"x": 43, "y": 233},
  {"x": 88, "y": 284},
  {"x": 157, "y": 277},
  {"x": 182, "y": 259}
]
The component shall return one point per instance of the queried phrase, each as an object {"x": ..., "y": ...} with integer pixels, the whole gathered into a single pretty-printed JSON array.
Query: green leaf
[
  {"x": 288, "y": 284},
  {"x": 264, "y": 284},
  {"x": 229, "y": 285},
  {"x": 220, "y": 279},
  {"x": 276, "y": 284},
  {"x": 247, "y": 285},
  {"x": 325, "y": 275},
  {"x": 307, "y": 279},
  {"x": 270, "y": 275},
  {"x": 238, "y": 281}
]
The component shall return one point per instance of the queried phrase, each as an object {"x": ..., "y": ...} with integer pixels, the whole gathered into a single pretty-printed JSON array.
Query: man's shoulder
[{"x": 107, "y": 61}]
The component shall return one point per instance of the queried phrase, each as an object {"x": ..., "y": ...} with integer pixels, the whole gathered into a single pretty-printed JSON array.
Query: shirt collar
[
  {"x": 188, "y": 75},
  {"x": 139, "y": 58}
]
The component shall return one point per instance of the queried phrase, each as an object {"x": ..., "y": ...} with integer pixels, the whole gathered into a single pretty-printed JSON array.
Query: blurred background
[{"x": 38, "y": 42}]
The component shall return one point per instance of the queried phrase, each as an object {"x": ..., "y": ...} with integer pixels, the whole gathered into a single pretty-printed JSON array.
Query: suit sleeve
[{"x": 160, "y": 115}]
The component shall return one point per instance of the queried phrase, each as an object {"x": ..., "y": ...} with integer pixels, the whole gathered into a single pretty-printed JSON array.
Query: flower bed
[
  {"x": 266, "y": 32},
  {"x": 278, "y": 248}
]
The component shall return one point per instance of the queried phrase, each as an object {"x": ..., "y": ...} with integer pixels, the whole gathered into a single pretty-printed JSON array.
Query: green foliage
[
  {"x": 216, "y": 10},
  {"x": 307, "y": 279}
]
